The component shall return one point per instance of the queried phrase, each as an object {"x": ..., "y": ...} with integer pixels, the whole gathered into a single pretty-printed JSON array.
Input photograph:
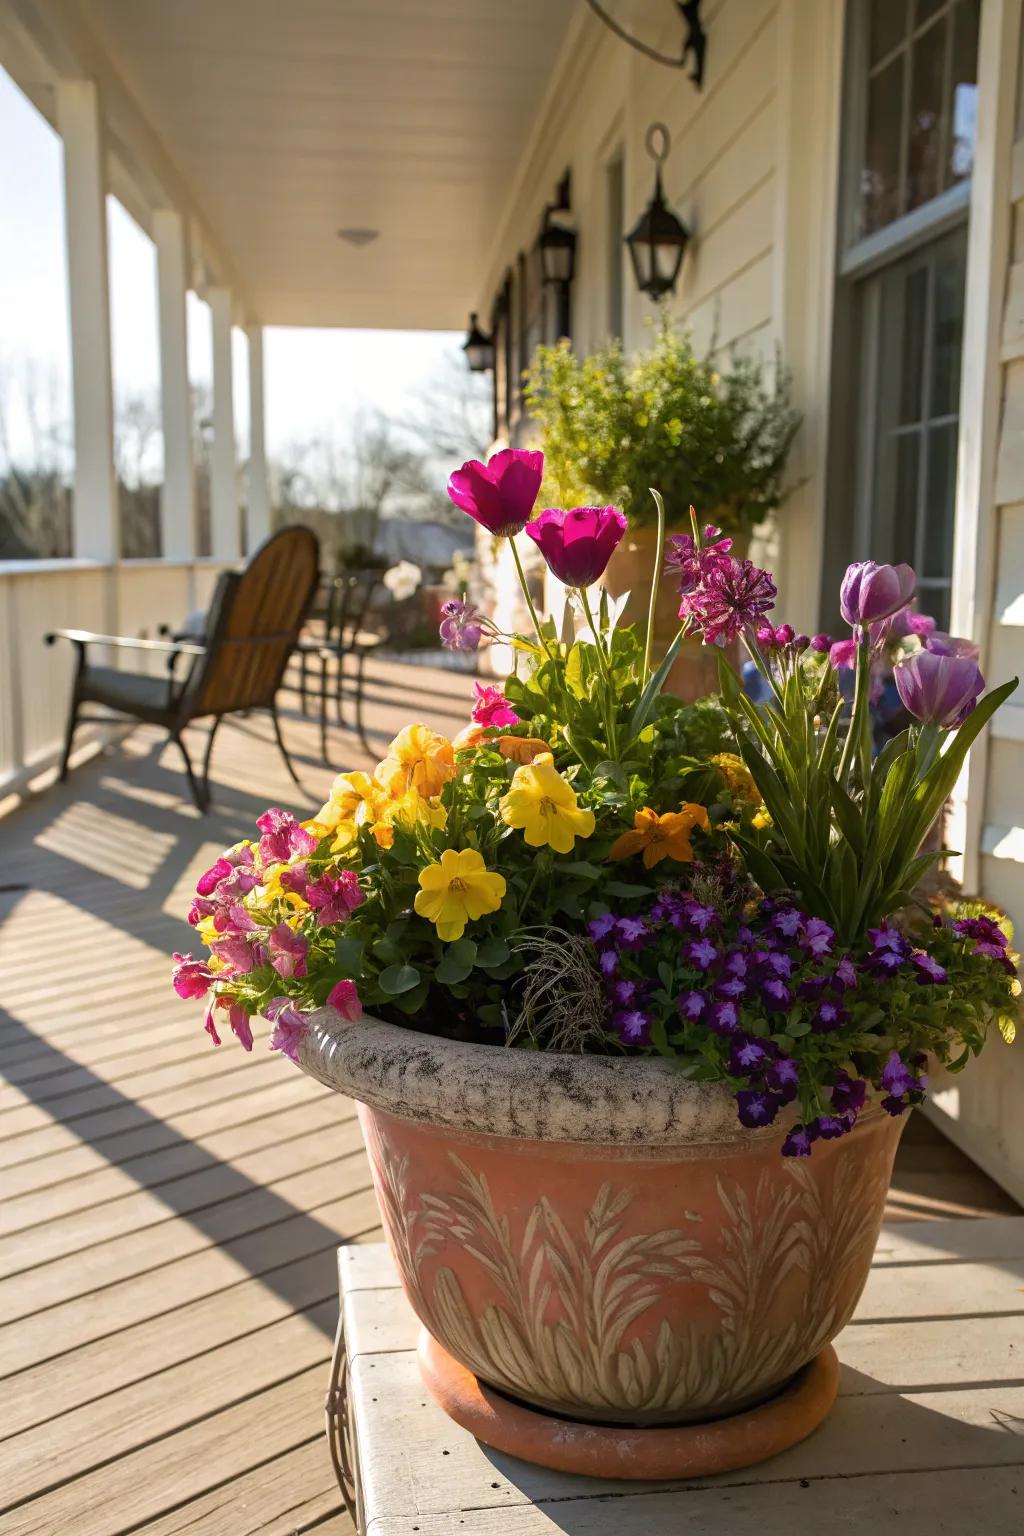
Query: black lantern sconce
[
  {"x": 557, "y": 241},
  {"x": 658, "y": 240},
  {"x": 478, "y": 347},
  {"x": 694, "y": 46}
]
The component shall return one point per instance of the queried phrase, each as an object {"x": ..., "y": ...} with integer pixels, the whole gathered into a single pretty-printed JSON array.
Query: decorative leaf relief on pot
[{"x": 559, "y": 1334}]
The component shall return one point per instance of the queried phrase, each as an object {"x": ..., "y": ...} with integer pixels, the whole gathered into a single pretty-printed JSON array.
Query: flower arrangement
[
  {"x": 611, "y": 427},
  {"x": 590, "y": 865}
]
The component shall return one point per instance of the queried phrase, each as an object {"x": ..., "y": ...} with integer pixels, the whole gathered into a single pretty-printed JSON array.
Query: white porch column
[
  {"x": 178, "y": 494},
  {"x": 259, "y": 490},
  {"x": 96, "y": 526},
  {"x": 224, "y": 529}
]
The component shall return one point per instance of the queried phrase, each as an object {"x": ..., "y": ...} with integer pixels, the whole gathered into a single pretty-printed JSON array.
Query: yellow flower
[
  {"x": 522, "y": 749},
  {"x": 458, "y": 890},
  {"x": 761, "y": 820},
  {"x": 661, "y": 837},
  {"x": 419, "y": 759},
  {"x": 737, "y": 775},
  {"x": 544, "y": 806},
  {"x": 406, "y": 811},
  {"x": 353, "y": 804}
]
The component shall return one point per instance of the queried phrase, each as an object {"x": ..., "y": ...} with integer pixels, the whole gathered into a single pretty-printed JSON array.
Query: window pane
[
  {"x": 888, "y": 27},
  {"x": 912, "y": 296},
  {"x": 925, "y": 8},
  {"x": 965, "y": 91},
  {"x": 880, "y": 188},
  {"x": 924, "y": 149},
  {"x": 937, "y": 543},
  {"x": 947, "y": 339}
]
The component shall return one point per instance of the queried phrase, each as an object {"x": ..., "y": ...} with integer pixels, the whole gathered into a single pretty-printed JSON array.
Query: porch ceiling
[{"x": 289, "y": 122}]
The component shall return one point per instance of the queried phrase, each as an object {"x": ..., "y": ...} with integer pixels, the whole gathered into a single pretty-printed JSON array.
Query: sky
[{"x": 317, "y": 382}]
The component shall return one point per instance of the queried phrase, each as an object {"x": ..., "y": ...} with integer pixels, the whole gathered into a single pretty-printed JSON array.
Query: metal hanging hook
[{"x": 657, "y": 134}]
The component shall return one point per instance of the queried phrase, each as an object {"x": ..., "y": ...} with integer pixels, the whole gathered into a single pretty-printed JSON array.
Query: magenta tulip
[
  {"x": 872, "y": 592},
  {"x": 938, "y": 690},
  {"x": 500, "y": 494},
  {"x": 577, "y": 545}
]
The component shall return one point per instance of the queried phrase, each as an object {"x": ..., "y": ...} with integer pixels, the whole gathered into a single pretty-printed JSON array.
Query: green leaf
[
  {"x": 492, "y": 953},
  {"x": 582, "y": 868},
  {"x": 348, "y": 955},
  {"x": 387, "y": 951},
  {"x": 624, "y": 889},
  {"x": 463, "y": 950},
  {"x": 451, "y": 970},
  {"x": 645, "y": 703},
  {"x": 396, "y": 979},
  {"x": 848, "y": 815}
]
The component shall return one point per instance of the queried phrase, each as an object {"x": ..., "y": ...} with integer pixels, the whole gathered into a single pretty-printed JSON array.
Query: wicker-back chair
[{"x": 251, "y": 630}]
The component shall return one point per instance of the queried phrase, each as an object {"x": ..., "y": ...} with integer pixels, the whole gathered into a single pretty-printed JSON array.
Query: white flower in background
[
  {"x": 460, "y": 573},
  {"x": 402, "y": 580}
]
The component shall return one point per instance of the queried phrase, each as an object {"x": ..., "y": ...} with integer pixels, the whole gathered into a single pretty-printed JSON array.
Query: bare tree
[
  {"x": 452, "y": 418},
  {"x": 35, "y": 462}
]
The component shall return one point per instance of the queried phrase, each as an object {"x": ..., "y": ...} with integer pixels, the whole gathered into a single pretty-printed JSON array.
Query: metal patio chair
[
  {"x": 251, "y": 630},
  {"x": 349, "y": 598}
]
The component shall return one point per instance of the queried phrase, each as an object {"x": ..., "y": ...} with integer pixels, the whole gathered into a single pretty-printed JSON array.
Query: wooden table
[{"x": 927, "y": 1435}]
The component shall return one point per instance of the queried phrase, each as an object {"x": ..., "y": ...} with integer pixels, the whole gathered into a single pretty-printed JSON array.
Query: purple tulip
[
  {"x": 950, "y": 645},
  {"x": 500, "y": 494},
  {"x": 577, "y": 545},
  {"x": 939, "y": 690},
  {"x": 871, "y": 592}
]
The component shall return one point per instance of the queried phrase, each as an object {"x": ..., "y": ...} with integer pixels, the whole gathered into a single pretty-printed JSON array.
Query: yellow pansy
[
  {"x": 544, "y": 807},
  {"x": 418, "y": 759},
  {"x": 353, "y": 803},
  {"x": 661, "y": 837},
  {"x": 458, "y": 890},
  {"x": 737, "y": 775}
]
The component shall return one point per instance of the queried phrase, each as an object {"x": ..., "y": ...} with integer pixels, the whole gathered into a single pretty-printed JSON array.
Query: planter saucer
[{"x": 614, "y": 1451}]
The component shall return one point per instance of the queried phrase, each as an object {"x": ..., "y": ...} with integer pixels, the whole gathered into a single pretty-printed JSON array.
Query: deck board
[{"x": 171, "y": 1214}]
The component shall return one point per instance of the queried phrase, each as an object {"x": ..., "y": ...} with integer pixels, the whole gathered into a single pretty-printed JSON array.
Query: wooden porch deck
[{"x": 168, "y": 1284}]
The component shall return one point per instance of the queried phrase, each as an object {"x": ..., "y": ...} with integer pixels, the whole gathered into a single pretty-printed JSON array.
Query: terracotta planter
[
  {"x": 598, "y": 1237},
  {"x": 695, "y": 673}
]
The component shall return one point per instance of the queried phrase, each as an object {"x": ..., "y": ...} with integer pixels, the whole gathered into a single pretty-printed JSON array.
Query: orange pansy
[{"x": 661, "y": 837}]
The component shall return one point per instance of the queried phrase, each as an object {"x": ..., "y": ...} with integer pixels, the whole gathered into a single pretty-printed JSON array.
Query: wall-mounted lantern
[
  {"x": 557, "y": 239},
  {"x": 478, "y": 347},
  {"x": 658, "y": 240},
  {"x": 695, "y": 43}
]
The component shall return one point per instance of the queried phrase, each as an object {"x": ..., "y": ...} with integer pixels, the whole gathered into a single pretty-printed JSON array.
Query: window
[
  {"x": 503, "y": 376},
  {"x": 615, "y": 211},
  {"x": 910, "y": 95},
  {"x": 918, "y": 106}
]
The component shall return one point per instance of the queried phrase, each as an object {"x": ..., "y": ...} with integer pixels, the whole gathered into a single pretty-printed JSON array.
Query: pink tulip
[
  {"x": 500, "y": 494},
  {"x": 577, "y": 545},
  {"x": 939, "y": 690},
  {"x": 871, "y": 592}
]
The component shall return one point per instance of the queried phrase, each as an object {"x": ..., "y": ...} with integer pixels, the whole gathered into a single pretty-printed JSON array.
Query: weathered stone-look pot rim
[{"x": 529, "y": 1095}]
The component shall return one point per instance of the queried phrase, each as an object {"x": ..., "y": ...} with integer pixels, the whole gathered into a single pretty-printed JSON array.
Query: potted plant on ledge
[
  {"x": 633, "y": 1021},
  {"x": 610, "y": 427}
]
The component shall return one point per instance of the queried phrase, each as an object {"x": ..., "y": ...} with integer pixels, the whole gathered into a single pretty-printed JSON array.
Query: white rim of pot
[{"x": 492, "y": 1090}]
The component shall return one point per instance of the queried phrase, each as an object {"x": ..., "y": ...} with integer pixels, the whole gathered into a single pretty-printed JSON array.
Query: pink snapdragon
[
  {"x": 491, "y": 707},
  {"x": 290, "y": 1027},
  {"x": 240, "y": 1026},
  {"x": 335, "y": 897},
  {"x": 344, "y": 999},
  {"x": 288, "y": 951},
  {"x": 282, "y": 837},
  {"x": 192, "y": 978}
]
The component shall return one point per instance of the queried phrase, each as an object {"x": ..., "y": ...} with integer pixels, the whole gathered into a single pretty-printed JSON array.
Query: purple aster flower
[
  {"x": 701, "y": 953},
  {"x": 990, "y": 938},
  {"x": 689, "y": 564},
  {"x": 776, "y": 994},
  {"x": 700, "y": 917},
  {"x": 812, "y": 987},
  {"x": 845, "y": 973},
  {"x": 848, "y": 1093},
  {"x": 817, "y": 936},
  {"x": 623, "y": 993},
  {"x": 829, "y": 1016},
  {"x": 608, "y": 962},
  {"x": 798, "y": 1142},
  {"x": 788, "y": 922},
  {"x": 691, "y": 1005},
  {"x": 885, "y": 961},
  {"x": 776, "y": 961},
  {"x": 633, "y": 1026},
  {"x": 730, "y": 599},
  {"x": 723, "y": 1018},
  {"x": 928, "y": 969},
  {"x": 601, "y": 927},
  {"x": 632, "y": 932},
  {"x": 744, "y": 935},
  {"x": 783, "y": 1077},
  {"x": 731, "y": 986},
  {"x": 736, "y": 963},
  {"x": 896, "y": 1077},
  {"x": 888, "y": 937},
  {"x": 755, "y": 1107},
  {"x": 746, "y": 1055},
  {"x": 669, "y": 907},
  {"x": 831, "y": 1126}
]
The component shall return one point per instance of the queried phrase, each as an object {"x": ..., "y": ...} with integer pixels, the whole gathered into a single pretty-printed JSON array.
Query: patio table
[{"x": 927, "y": 1433}]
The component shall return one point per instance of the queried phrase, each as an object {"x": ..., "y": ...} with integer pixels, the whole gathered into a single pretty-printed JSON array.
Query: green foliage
[{"x": 612, "y": 428}]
